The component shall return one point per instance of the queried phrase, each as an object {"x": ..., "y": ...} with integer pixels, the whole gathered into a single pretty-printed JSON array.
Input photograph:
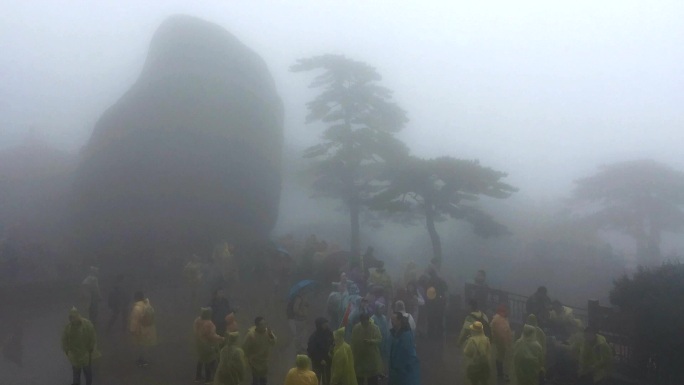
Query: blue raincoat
[{"x": 404, "y": 367}]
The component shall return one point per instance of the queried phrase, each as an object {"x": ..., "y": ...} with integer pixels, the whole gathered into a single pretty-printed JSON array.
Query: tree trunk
[
  {"x": 355, "y": 245},
  {"x": 434, "y": 236}
]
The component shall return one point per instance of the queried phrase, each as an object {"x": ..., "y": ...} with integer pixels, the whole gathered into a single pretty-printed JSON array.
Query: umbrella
[{"x": 299, "y": 286}]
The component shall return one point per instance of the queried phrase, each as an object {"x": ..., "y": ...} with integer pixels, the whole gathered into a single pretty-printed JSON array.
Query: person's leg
[
  {"x": 255, "y": 378},
  {"x": 88, "y": 373},
  {"x": 208, "y": 371},
  {"x": 360, "y": 380},
  {"x": 375, "y": 380},
  {"x": 75, "y": 375},
  {"x": 198, "y": 371}
]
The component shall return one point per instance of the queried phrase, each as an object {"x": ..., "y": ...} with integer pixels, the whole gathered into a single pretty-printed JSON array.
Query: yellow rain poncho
[
  {"x": 143, "y": 334},
  {"x": 477, "y": 354},
  {"x": 365, "y": 344},
  {"x": 343, "y": 372},
  {"x": 475, "y": 316},
  {"x": 527, "y": 358},
  {"x": 231, "y": 367},
  {"x": 301, "y": 374},
  {"x": 206, "y": 340},
  {"x": 595, "y": 358},
  {"x": 257, "y": 348},
  {"x": 540, "y": 336},
  {"x": 79, "y": 341}
]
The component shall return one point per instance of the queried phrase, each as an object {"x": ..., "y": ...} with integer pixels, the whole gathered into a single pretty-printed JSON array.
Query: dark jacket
[{"x": 320, "y": 344}]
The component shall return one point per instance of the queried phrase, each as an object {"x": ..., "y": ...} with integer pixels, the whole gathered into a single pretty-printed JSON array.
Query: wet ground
[{"x": 172, "y": 362}]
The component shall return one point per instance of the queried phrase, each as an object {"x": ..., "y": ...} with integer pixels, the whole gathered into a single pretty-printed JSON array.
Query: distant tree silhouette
[
  {"x": 361, "y": 120},
  {"x": 442, "y": 188},
  {"x": 639, "y": 198}
]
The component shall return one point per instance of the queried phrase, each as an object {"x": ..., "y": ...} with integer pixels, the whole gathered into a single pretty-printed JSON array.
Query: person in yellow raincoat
[
  {"x": 231, "y": 367},
  {"x": 477, "y": 352},
  {"x": 342, "y": 372},
  {"x": 595, "y": 358},
  {"x": 527, "y": 358},
  {"x": 365, "y": 344},
  {"x": 502, "y": 341},
  {"x": 540, "y": 336},
  {"x": 206, "y": 344},
  {"x": 475, "y": 315},
  {"x": 79, "y": 343},
  {"x": 257, "y": 347},
  {"x": 301, "y": 374},
  {"x": 142, "y": 327}
]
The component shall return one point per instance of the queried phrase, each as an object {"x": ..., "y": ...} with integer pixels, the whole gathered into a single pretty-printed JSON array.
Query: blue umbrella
[{"x": 299, "y": 286}]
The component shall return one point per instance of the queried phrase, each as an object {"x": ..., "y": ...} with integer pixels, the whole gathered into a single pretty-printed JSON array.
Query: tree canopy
[
  {"x": 639, "y": 198},
  {"x": 360, "y": 121},
  {"x": 442, "y": 188}
]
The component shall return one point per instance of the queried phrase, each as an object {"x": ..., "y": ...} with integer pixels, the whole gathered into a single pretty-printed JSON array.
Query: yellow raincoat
[
  {"x": 257, "y": 348},
  {"x": 206, "y": 340},
  {"x": 527, "y": 358},
  {"x": 595, "y": 359},
  {"x": 342, "y": 372},
  {"x": 79, "y": 341},
  {"x": 231, "y": 367},
  {"x": 143, "y": 335},
  {"x": 477, "y": 353},
  {"x": 301, "y": 374},
  {"x": 365, "y": 344}
]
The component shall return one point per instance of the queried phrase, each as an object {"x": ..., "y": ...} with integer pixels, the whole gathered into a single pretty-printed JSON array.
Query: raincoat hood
[
  {"x": 232, "y": 338},
  {"x": 532, "y": 320},
  {"x": 529, "y": 332},
  {"x": 73, "y": 312},
  {"x": 339, "y": 336},
  {"x": 205, "y": 313},
  {"x": 303, "y": 362}
]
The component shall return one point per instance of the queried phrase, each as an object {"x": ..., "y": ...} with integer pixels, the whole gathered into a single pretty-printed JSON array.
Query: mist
[{"x": 546, "y": 92}]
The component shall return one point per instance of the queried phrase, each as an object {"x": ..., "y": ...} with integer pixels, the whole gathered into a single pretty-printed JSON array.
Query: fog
[{"x": 544, "y": 91}]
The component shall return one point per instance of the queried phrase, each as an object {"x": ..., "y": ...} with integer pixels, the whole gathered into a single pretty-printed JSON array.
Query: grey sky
[{"x": 543, "y": 90}]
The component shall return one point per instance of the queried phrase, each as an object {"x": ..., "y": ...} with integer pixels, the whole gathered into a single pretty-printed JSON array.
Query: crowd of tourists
[{"x": 367, "y": 336}]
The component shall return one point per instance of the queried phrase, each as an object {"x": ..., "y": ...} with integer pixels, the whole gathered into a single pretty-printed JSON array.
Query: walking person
[
  {"x": 404, "y": 367},
  {"x": 320, "y": 350},
  {"x": 142, "y": 327},
  {"x": 477, "y": 353},
  {"x": 365, "y": 344},
  {"x": 206, "y": 345},
  {"x": 79, "y": 343},
  {"x": 231, "y": 367},
  {"x": 257, "y": 347},
  {"x": 342, "y": 372}
]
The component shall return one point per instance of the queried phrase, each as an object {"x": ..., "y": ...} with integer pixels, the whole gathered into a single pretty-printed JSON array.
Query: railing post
[{"x": 593, "y": 313}]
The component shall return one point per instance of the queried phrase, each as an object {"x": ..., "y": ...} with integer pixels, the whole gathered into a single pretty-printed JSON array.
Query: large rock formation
[{"x": 190, "y": 155}]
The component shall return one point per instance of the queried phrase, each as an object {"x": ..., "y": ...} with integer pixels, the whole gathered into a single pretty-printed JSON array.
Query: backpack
[
  {"x": 485, "y": 325},
  {"x": 147, "y": 318}
]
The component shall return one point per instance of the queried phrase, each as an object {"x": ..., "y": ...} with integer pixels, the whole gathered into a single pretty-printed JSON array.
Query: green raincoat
[
  {"x": 527, "y": 358},
  {"x": 342, "y": 372},
  {"x": 231, "y": 367},
  {"x": 471, "y": 318},
  {"x": 595, "y": 359},
  {"x": 540, "y": 337},
  {"x": 79, "y": 341},
  {"x": 257, "y": 348},
  {"x": 365, "y": 344}
]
